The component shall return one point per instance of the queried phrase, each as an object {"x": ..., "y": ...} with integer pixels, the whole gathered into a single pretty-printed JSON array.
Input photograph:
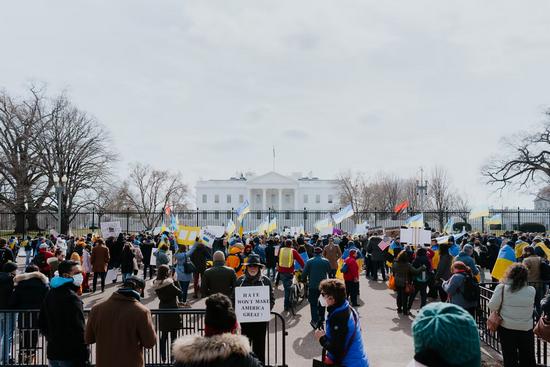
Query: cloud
[{"x": 295, "y": 134}]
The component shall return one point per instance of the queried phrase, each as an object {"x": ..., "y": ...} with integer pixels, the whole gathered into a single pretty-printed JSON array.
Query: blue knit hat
[{"x": 447, "y": 330}]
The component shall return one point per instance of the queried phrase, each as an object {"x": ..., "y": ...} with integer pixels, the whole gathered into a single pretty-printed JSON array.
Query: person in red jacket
[
  {"x": 351, "y": 277},
  {"x": 287, "y": 255}
]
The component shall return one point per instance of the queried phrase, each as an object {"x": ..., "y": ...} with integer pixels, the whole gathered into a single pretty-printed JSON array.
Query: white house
[{"x": 269, "y": 191}]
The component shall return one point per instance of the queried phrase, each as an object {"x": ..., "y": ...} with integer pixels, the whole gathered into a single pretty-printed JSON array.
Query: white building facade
[{"x": 269, "y": 191}]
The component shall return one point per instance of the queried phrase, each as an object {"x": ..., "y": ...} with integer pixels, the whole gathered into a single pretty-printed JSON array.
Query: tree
[
  {"x": 150, "y": 190},
  {"x": 439, "y": 192},
  {"x": 527, "y": 160},
  {"x": 25, "y": 186},
  {"x": 74, "y": 145}
]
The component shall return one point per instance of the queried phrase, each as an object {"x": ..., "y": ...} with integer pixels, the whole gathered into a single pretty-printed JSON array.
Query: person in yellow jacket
[{"x": 235, "y": 259}]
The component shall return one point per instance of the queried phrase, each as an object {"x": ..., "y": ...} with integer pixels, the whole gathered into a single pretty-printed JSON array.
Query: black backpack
[{"x": 470, "y": 289}]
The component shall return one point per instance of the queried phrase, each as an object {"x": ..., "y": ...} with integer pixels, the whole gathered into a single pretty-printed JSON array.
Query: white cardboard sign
[
  {"x": 252, "y": 304},
  {"x": 110, "y": 229},
  {"x": 415, "y": 236}
]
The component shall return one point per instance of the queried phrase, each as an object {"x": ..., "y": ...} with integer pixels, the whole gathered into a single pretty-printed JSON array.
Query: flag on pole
[
  {"x": 506, "y": 257},
  {"x": 243, "y": 210},
  {"x": 495, "y": 219},
  {"x": 401, "y": 207},
  {"x": 323, "y": 223},
  {"x": 416, "y": 221},
  {"x": 264, "y": 226},
  {"x": 230, "y": 228},
  {"x": 272, "y": 227},
  {"x": 479, "y": 212},
  {"x": 343, "y": 214}
]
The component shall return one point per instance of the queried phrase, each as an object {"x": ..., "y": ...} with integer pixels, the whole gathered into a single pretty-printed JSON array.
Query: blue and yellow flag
[
  {"x": 495, "y": 219},
  {"x": 243, "y": 210},
  {"x": 416, "y": 221},
  {"x": 449, "y": 226},
  {"x": 506, "y": 257}
]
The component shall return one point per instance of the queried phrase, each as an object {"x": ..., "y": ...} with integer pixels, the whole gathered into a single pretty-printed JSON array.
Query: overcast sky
[{"x": 207, "y": 87}]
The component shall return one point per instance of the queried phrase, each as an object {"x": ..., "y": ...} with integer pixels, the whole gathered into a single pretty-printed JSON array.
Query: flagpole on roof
[{"x": 273, "y": 158}]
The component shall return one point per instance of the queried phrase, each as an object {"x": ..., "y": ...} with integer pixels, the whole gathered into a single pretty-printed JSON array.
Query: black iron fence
[
  {"x": 542, "y": 352},
  {"x": 132, "y": 221},
  {"x": 21, "y": 343}
]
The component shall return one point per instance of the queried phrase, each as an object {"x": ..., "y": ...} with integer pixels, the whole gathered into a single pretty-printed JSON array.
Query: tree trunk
[
  {"x": 65, "y": 223},
  {"x": 32, "y": 220},
  {"x": 19, "y": 222}
]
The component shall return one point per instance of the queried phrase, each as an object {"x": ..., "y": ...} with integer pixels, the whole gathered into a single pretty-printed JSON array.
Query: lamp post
[{"x": 59, "y": 190}]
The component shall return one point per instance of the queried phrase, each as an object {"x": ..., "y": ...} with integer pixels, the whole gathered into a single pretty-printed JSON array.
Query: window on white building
[
  {"x": 228, "y": 199},
  {"x": 317, "y": 198},
  {"x": 305, "y": 199},
  {"x": 216, "y": 198},
  {"x": 330, "y": 199},
  {"x": 204, "y": 198},
  {"x": 257, "y": 198},
  {"x": 287, "y": 198},
  {"x": 241, "y": 199}
]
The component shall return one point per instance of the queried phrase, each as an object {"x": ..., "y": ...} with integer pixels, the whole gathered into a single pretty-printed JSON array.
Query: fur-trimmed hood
[
  {"x": 26, "y": 276},
  {"x": 202, "y": 350}
]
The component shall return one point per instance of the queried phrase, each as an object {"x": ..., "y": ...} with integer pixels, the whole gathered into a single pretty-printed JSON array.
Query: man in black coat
[
  {"x": 7, "y": 320},
  {"x": 61, "y": 317},
  {"x": 200, "y": 254},
  {"x": 146, "y": 248}
]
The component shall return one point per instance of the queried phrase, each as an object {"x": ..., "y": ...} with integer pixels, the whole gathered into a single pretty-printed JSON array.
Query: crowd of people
[{"x": 445, "y": 275}]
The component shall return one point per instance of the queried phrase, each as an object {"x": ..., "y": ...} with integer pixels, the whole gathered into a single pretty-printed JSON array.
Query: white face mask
[
  {"x": 78, "y": 279},
  {"x": 322, "y": 301}
]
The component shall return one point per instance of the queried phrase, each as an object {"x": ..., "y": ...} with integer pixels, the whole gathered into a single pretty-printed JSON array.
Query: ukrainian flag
[
  {"x": 243, "y": 210},
  {"x": 495, "y": 219},
  {"x": 391, "y": 249},
  {"x": 230, "y": 228},
  {"x": 479, "y": 212},
  {"x": 272, "y": 227},
  {"x": 435, "y": 259},
  {"x": 262, "y": 229},
  {"x": 416, "y": 221},
  {"x": 506, "y": 257},
  {"x": 343, "y": 214}
]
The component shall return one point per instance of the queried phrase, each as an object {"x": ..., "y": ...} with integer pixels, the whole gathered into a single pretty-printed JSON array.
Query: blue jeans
[
  {"x": 184, "y": 285},
  {"x": 317, "y": 311},
  {"x": 271, "y": 273},
  {"x": 125, "y": 275},
  {"x": 28, "y": 254},
  {"x": 7, "y": 327},
  {"x": 52, "y": 363},
  {"x": 286, "y": 278}
]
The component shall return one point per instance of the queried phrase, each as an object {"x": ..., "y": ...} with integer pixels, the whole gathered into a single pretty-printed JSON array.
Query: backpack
[
  {"x": 470, "y": 289},
  {"x": 238, "y": 268},
  {"x": 344, "y": 268},
  {"x": 483, "y": 257}
]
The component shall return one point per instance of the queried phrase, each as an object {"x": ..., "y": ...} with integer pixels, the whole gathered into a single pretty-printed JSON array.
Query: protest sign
[
  {"x": 209, "y": 233},
  {"x": 252, "y": 304},
  {"x": 110, "y": 229},
  {"x": 361, "y": 228},
  {"x": 415, "y": 236},
  {"x": 326, "y": 231},
  {"x": 383, "y": 245},
  {"x": 186, "y": 235}
]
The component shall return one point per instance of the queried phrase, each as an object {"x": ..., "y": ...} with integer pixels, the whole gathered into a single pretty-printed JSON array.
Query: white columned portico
[
  {"x": 295, "y": 199},
  {"x": 264, "y": 200},
  {"x": 280, "y": 199}
]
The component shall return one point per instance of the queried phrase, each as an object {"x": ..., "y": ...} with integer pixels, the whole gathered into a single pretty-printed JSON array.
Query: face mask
[
  {"x": 78, "y": 279},
  {"x": 322, "y": 301}
]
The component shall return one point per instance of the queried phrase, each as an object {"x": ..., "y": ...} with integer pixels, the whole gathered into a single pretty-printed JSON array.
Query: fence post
[
  {"x": 127, "y": 220},
  {"x": 197, "y": 217},
  {"x": 305, "y": 219},
  {"x": 519, "y": 218},
  {"x": 375, "y": 218},
  {"x": 482, "y": 224}
]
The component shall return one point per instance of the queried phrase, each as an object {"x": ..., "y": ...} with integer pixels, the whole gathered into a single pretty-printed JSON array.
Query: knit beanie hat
[{"x": 448, "y": 331}]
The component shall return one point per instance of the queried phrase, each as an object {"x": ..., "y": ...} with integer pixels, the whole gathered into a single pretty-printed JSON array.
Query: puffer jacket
[
  {"x": 225, "y": 350},
  {"x": 517, "y": 307},
  {"x": 454, "y": 287},
  {"x": 168, "y": 293},
  {"x": 468, "y": 261},
  {"x": 342, "y": 329}
]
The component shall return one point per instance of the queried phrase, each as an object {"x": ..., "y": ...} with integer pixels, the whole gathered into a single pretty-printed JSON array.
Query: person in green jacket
[{"x": 317, "y": 269}]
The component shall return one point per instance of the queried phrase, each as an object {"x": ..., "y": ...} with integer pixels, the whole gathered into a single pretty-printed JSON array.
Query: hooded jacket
[
  {"x": 317, "y": 269},
  {"x": 28, "y": 294},
  {"x": 225, "y": 350},
  {"x": 6, "y": 289},
  {"x": 61, "y": 321},
  {"x": 168, "y": 293}
]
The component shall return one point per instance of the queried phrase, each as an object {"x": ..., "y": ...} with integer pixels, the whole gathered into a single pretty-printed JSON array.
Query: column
[
  {"x": 249, "y": 198},
  {"x": 264, "y": 201},
  {"x": 296, "y": 199},
  {"x": 280, "y": 199}
]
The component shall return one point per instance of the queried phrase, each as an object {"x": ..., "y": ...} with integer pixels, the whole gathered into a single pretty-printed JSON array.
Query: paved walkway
[{"x": 387, "y": 335}]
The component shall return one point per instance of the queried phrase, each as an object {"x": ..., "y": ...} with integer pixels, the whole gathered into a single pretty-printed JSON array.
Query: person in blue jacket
[
  {"x": 342, "y": 336},
  {"x": 466, "y": 256}
]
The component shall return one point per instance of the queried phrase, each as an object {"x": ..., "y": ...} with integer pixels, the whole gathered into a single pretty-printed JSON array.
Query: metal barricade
[
  {"x": 491, "y": 339},
  {"x": 21, "y": 343}
]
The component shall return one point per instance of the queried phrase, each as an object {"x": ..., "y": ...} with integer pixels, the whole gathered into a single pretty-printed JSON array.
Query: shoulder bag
[
  {"x": 494, "y": 320},
  {"x": 542, "y": 328}
]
